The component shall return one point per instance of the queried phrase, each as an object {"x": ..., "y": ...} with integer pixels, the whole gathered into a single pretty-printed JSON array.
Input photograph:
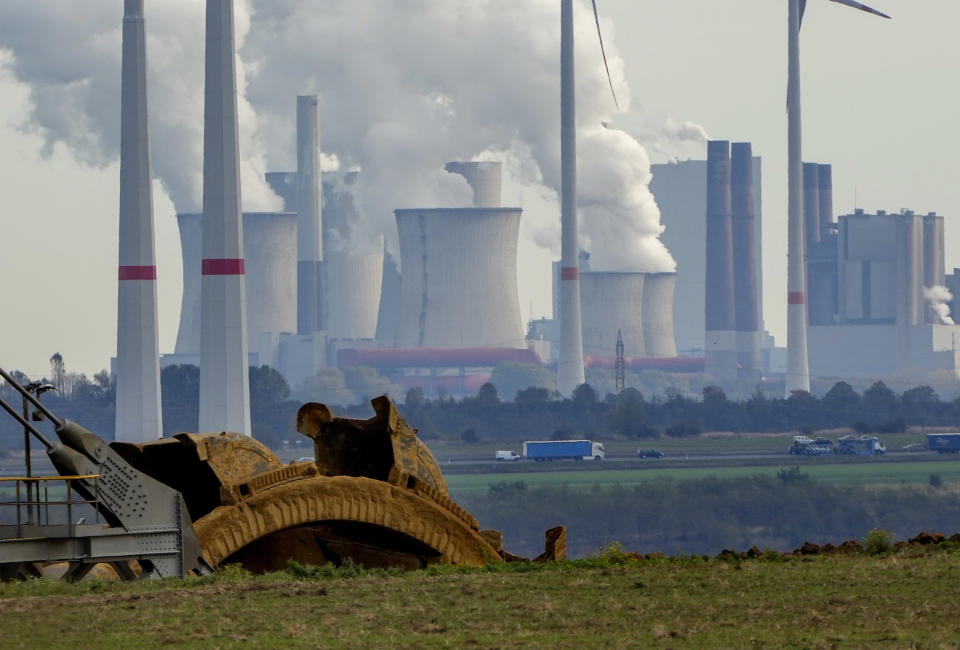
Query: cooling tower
[
  {"x": 657, "y": 315},
  {"x": 933, "y": 262},
  {"x": 138, "y": 415},
  {"x": 190, "y": 226},
  {"x": 484, "y": 178},
  {"x": 610, "y": 302},
  {"x": 268, "y": 238},
  {"x": 745, "y": 271},
  {"x": 224, "y": 379},
  {"x": 570, "y": 358},
  {"x": 354, "y": 296},
  {"x": 310, "y": 287},
  {"x": 811, "y": 202},
  {"x": 389, "y": 310},
  {"x": 459, "y": 282},
  {"x": 720, "y": 343}
]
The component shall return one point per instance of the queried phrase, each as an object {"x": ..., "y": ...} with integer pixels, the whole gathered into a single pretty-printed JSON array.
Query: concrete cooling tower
[
  {"x": 353, "y": 292},
  {"x": 389, "y": 308},
  {"x": 271, "y": 281},
  {"x": 612, "y": 302},
  {"x": 484, "y": 178},
  {"x": 657, "y": 315},
  {"x": 459, "y": 281}
]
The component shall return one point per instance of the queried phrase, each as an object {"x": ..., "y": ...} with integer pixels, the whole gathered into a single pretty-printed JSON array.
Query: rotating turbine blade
[
  {"x": 803, "y": 7},
  {"x": 596, "y": 17},
  {"x": 861, "y": 7}
]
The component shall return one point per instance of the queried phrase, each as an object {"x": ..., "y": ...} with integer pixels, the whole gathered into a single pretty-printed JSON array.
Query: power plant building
[
  {"x": 712, "y": 214},
  {"x": 680, "y": 189},
  {"x": 891, "y": 311}
]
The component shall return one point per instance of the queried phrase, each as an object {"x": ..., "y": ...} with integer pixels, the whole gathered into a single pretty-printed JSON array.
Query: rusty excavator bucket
[{"x": 375, "y": 495}]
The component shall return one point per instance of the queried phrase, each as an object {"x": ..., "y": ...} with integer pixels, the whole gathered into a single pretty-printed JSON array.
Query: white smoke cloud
[
  {"x": 405, "y": 87},
  {"x": 75, "y": 88},
  {"x": 939, "y": 298}
]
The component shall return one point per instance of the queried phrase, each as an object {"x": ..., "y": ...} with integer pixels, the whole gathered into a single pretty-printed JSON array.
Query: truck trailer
[
  {"x": 559, "y": 449},
  {"x": 945, "y": 443},
  {"x": 863, "y": 446}
]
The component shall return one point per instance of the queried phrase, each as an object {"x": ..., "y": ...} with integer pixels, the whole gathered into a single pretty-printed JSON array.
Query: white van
[{"x": 507, "y": 455}]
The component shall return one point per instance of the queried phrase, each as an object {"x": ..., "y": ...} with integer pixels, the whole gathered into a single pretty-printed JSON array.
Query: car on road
[
  {"x": 914, "y": 447},
  {"x": 507, "y": 455},
  {"x": 649, "y": 453}
]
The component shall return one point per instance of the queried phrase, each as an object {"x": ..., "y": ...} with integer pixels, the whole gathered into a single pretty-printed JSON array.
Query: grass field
[
  {"x": 902, "y": 600},
  {"x": 848, "y": 472}
]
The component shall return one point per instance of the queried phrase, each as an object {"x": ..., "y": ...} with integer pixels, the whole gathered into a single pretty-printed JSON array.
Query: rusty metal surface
[{"x": 384, "y": 447}]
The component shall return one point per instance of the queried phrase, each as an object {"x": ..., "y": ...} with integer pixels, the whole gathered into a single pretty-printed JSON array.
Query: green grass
[
  {"x": 872, "y": 471},
  {"x": 887, "y": 601}
]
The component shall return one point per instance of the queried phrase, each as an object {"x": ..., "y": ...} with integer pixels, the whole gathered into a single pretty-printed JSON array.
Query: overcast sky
[{"x": 879, "y": 98}]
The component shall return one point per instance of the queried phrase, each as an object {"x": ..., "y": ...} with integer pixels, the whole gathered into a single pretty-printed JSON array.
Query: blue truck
[
  {"x": 945, "y": 443},
  {"x": 559, "y": 449}
]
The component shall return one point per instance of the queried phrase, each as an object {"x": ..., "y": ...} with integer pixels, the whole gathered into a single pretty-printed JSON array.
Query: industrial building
[
  {"x": 879, "y": 303},
  {"x": 712, "y": 214}
]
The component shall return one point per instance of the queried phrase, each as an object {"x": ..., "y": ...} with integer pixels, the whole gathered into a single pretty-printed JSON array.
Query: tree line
[{"x": 535, "y": 412}]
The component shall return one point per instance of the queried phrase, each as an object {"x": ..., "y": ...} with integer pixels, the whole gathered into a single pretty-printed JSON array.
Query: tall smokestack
[
  {"x": 720, "y": 344},
  {"x": 570, "y": 362},
  {"x": 745, "y": 272},
  {"x": 825, "y": 181},
  {"x": 811, "y": 202},
  {"x": 224, "y": 379},
  {"x": 138, "y": 415},
  {"x": 309, "y": 217}
]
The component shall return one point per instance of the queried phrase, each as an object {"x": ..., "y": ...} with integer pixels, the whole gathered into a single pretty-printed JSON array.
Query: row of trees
[
  {"x": 535, "y": 412},
  {"x": 538, "y": 413}
]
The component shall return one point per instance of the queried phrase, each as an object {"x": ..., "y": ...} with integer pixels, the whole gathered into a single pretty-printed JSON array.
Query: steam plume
[{"x": 939, "y": 298}]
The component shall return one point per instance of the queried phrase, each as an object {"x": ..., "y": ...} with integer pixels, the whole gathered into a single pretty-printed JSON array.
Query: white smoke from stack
[
  {"x": 938, "y": 299},
  {"x": 491, "y": 93},
  {"x": 75, "y": 89},
  {"x": 405, "y": 88}
]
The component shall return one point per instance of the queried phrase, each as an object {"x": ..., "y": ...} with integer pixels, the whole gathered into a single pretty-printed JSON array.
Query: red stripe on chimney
[
  {"x": 137, "y": 273},
  {"x": 222, "y": 267}
]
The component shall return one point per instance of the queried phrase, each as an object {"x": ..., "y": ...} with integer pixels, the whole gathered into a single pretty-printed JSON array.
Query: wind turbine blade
[
  {"x": 862, "y": 7},
  {"x": 596, "y": 17},
  {"x": 803, "y": 7}
]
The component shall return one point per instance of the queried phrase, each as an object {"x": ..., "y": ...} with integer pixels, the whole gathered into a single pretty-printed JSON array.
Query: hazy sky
[{"x": 880, "y": 104}]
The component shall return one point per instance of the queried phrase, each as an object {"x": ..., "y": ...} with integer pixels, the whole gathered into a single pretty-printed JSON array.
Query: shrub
[
  {"x": 878, "y": 541},
  {"x": 936, "y": 480}
]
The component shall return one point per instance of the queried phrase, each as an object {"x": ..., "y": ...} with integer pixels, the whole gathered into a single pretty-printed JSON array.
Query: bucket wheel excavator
[{"x": 374, "y": 495}]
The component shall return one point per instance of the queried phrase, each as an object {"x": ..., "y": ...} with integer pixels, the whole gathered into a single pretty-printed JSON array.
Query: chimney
[
  {"x": 825, "y": 190},
  {"x": 745, "y": 272},
  {"x": 570, "y": 363},
  {"x": 811, "y": 202},
  {"x": 310, "y": 293},
  {"x": 224, "y": 378},
  {"x": 138, "y": 414},
  {"x": 720, "y": 344}
]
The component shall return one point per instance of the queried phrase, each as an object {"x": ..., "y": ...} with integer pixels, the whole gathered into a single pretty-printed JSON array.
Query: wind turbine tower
[
  {"x": 798, "y": 369},
  {"x": 570, "y": 363},
  {"x": 224, "y": 374},
  {"x": 138, "y": 417}
]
